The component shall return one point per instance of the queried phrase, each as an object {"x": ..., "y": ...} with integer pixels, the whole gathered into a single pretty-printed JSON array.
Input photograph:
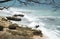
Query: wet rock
[
  {"x": 21, "y": 15},
  {"x": 36, "y": 26},
  {"x": 12, "y": 27},
  {"x": 13, "y": 18},
  {"x": 38, "y": 33}
]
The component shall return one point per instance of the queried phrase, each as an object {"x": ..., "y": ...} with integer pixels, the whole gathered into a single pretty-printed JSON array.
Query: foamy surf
[
  {"x": 48, "y": 33},
  {"x": 46, "y": 25}
]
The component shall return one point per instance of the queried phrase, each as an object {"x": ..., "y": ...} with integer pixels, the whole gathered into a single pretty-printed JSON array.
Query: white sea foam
[
  {"x": 31, "y": 21},
  {"x": 50, "y": 34}
]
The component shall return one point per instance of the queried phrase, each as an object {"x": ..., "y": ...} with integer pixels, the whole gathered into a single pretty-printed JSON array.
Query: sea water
[
  {"x": 42, "y": 15},
  {"x": 49, "y": 25}
]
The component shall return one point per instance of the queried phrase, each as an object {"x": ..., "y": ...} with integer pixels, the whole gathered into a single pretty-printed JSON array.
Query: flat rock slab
[{"x": 14, "y": 18}]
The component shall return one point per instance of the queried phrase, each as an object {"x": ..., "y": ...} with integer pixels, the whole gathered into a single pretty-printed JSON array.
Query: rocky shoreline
[{"x": 9, "y": 30}]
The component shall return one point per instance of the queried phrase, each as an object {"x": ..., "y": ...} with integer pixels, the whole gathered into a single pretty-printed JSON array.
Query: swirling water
[{"x": 50, "y": 26}]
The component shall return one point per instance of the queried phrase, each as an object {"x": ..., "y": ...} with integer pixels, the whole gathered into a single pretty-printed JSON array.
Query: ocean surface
[
  {"x": 49, "y": 25},
  {"x": 42, "y": 15}
]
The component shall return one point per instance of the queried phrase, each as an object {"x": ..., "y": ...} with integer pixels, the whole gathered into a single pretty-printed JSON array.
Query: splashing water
[{"x": 50, "y": 27}]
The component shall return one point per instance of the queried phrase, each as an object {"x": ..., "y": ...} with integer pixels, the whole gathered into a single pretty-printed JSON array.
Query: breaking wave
[{"x": 49, "y": 25}]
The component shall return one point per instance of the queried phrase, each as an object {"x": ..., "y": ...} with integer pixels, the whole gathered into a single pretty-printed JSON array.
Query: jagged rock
[
  {"x": 4, "y": 22},
  {"x": 37, "y": 33},
  {"x": 14, "y": 31},
  {"x": 13, "y": 18},
  {"x": 12, "y": 27}
]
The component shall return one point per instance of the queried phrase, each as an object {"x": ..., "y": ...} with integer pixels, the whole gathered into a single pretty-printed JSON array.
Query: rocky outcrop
[
  {"x": 4, "y": 22},
  {"x": 14, "y": 18},
  {"x": 21, "y": 15},
  {"x": 14, "y": 31}
]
